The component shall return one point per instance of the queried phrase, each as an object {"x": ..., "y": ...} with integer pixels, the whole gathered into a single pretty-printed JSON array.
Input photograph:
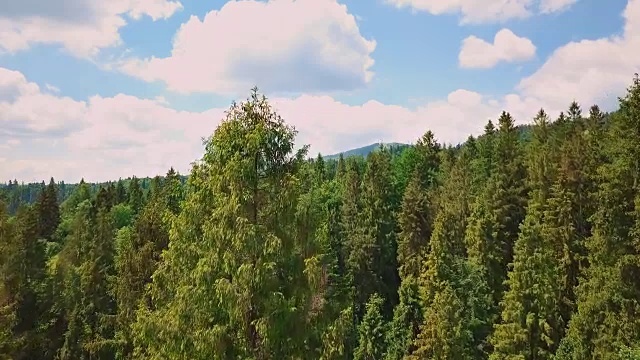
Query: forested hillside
[
  {"x": 366, "y": 150},
  {"x": 511, "y": 246}
]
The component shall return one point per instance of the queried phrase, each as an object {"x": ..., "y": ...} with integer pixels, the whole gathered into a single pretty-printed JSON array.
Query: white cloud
[
  {"x": 589, "y": 71},
  {"x": 279, "y": 45},
  {"x": 485, "y": 11},
  {"x": 83, "y": 27},
  {"x": 551, "y": 6},
  {"x": 120, "y": 136},
  {"x": 27, "y": 112},
  {"x": 52, "y": 88},
  {"x": 507, "y": 47}
]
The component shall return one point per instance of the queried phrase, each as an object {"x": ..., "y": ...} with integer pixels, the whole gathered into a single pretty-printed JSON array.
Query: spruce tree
[
  {"x": 48, "y": 211},
  {"x": 338, "y": 340},
  {"x": 372, "y": 329},
  {"x": 609, "y": 298},
  {"x": 499, "y": 210},
  {"x": 137, "y": 253},
  {"x": 448, "y": 276},
  {"x": 136, "y": 196},
  {"x": 407, "y": 318},
  {"x": 416, "y": 214},
  {"x": 529, "y": 328},
  {"x": 12, "y": 282},
  {"x": 232, "y": 284},
  {"x": 121, "y": 192},
  {"x": 373, "y": 250},
  {"x": 444, "y": 334}
]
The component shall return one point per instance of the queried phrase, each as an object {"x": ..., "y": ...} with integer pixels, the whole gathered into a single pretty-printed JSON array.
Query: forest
[{"x": 522, "y": 243}]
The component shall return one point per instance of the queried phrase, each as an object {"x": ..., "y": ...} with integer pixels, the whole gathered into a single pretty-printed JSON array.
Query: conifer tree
[
  {"x": 172, "y": 191},
  {"x": 415, "y": 220},
  {"x": 136, "y": 196},
  {"x": 232, "y": 283},
  {"x": 484, "y": 164},
  {"x": 48, "y": 211},
  {"x": 373, "y": 251},
  {"x": 121, "y": 192},
  {"x": 137, "y": 254},
  {"x": 530, "y": 305},
  {"x": 416, "y": 215},
  {"x": 407, "y": 318},
  {"x": 341, "y": 167},
  {"x": 11, "y": 283},
  {"x": 444, "y": 334},
  {"x": 499, "y": 210},
  {"x": 446, "y": 270},
  {"x": 371, "y": 331},
  {"x": 338, "y": 341},
  {"x": 609, "y": 298},
  {"x": 529, "y": 328}
]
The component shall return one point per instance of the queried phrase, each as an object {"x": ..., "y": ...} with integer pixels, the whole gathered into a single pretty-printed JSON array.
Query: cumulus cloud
[
  {"x": 506, "y": 47},
  {"x": 83, "y": 27},
  {"x": 99, "y": 139},
  {"x": 486, "y": 11},
  {"x": 27, "y": 112},
  {"x": 591, "y": 71},
  {"x": 279, "y": 45},
  {"x": 109, "y": 137}
]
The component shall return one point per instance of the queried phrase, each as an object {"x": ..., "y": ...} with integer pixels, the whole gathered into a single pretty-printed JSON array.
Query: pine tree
[
  {"x": 407, "y": 318},
  {"x": 96, "y": 273},
  {"x": 446, "y": 270},
  {"x": 338, "y": 341},
  {"x": 172, "y": 191},
  {"x": 372, "y": 258},
  {"x": 33, "y": 273},
  {"x": 530, "y": 305},
  {"x": 136, "y": 196},
  {"x": 121, "y": 192},
  {"x": 11, "y": 283},
  {"x": 444, "y": 334},
  {"x": 48, "y": 211},
  {"x": 137, "y": 255},
  {"x": 232, "y": 282},
  {"x": 608, "y": 299},
  {"x": 372, "y": 329},
  {"x": 416, "y": 218},
  {"x": 499, "y": 210},
  {"x": 74, "y": 302}
]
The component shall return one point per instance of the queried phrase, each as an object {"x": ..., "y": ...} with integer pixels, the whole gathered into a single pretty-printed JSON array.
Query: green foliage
[
  {"x": 498, "y": 210},
  {"x": 232, "y": 283},
  {"x": 371, "y": 331},
  {"x": 407, "y": 317},
  {"x": 444, "y": 334},
  {"x": 338, "y": 340},
  {"x": 608, "y": 300}
]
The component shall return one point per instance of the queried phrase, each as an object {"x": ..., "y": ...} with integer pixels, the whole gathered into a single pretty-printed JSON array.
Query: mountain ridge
[{"x": 365, "y": 150}]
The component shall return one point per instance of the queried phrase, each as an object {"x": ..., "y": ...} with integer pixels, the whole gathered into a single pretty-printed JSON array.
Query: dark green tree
[
  {"x": 372, "y": 329},
  {"x": 608, "y": 300}
]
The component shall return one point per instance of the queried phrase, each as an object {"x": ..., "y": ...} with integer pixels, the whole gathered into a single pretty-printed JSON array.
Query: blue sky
[{"x": 106, "y": 90}]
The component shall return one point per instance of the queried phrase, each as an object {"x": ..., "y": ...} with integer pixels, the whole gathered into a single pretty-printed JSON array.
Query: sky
[{"x": 103, "y": 90}]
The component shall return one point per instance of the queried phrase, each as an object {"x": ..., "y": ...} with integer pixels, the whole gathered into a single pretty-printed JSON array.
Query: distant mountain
[{"x": 365, "y": 150}]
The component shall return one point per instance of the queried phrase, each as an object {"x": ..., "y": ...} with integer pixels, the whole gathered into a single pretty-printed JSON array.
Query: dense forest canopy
[{"x": 517, "y": 244}]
